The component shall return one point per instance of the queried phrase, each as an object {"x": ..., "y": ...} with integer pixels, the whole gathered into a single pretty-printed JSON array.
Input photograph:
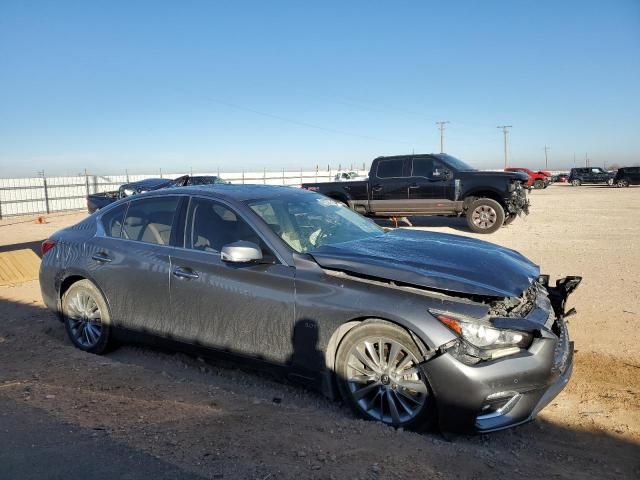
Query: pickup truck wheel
[
  {"x": 622, "y": 183},
  {"x": 485, "y": 215},
  {"x": 576, "y": 183},
  {"x": 378, "y": 374},
  {"x": 610, "y": 182},
  {"x": 538, "y": 184}
]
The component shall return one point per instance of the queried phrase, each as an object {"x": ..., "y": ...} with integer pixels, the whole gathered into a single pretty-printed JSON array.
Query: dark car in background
[
  {"x": 626, "y": 176},
  {"x": 97, "y": 201},
  {"x": 408, "y": 327},
  {"x": 590, "y": 175}
]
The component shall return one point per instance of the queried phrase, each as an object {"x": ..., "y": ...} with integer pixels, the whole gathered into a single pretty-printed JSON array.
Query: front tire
[
  {"x": 610, "y": 182},
  {"x": 86, "y": 317},
  {"x": 485, "y": 215},
  {"x": 575, "y": 183},
  {"x": 622, "y": 183},
  {"x": 379, "y": 377},
  {"x": 538, "y": 184}
]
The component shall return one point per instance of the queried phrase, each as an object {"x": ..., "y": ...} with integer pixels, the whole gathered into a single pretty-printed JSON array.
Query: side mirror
[
  {"x": 448, "y": 175},
  {"x": 240, "y": 252}
]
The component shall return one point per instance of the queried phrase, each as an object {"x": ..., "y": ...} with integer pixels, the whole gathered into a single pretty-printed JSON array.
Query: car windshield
[
  {"x": 456, "y": 162},
  {"x": 308, "y": 223}
]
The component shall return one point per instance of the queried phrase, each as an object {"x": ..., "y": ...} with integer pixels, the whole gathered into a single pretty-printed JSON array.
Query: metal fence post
[
  {"x": 243, "y": 176},
  {"x": 301, "y": 181},
  {"x": 316, "y": 180},
  {"x": 160, "y": 173},
  {"x": 283, "y": 176},
  {"x": 86, "y": 181},
  {"x": 126, "y": 172},
  {"x": 264, "y": 176},
  {"x": 46, "y": 193}
]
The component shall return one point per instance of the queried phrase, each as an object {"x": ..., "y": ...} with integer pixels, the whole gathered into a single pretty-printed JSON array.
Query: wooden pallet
[{"x": 18, "y": 266}]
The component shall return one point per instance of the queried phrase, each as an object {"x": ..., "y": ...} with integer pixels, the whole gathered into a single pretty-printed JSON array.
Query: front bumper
[{"x": 528, "y": 380}]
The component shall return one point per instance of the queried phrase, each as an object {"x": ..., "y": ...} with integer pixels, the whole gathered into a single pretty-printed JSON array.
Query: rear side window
[
  {"x": 389, "y": 168},
  {"x": 112, "y": 221},
  {"x": 150, "y": 220}
]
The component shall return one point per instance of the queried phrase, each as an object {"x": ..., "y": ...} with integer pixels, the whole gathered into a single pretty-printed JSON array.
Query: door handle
[
  {"x": 101, "y": 257},
  {"x": 376, "y": 188},
  {"x": 414, "y": 185},
  {"x": 183, "y": 273}
]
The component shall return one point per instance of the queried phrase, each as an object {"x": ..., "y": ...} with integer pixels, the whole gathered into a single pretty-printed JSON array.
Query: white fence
[{"x": 27, "y": 196}]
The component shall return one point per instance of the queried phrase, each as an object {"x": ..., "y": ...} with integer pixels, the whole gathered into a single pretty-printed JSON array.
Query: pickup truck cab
[{"x": 433, "y": 184}]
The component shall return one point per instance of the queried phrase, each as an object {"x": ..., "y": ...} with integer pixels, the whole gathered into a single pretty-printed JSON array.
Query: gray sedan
[{"x": 409, "y": 328}]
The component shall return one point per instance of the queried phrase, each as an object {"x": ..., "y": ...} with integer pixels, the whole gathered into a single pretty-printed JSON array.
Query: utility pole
[
  {"x": 441, "y": 128},
  {"x": 586, "y": 160},
  {"x": 546, "y": 157},
  {"x": 505, "y": 131}
]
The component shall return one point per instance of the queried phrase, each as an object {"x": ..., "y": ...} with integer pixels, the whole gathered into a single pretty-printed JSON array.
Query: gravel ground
[{"x": 140, "y": 412}]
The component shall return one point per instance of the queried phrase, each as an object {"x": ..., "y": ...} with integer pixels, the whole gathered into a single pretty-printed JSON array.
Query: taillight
[{"x": 46, "y": 246}]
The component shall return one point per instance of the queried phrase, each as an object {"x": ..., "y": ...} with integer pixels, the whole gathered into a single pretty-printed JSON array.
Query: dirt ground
[{"x": 156, "y": 413}]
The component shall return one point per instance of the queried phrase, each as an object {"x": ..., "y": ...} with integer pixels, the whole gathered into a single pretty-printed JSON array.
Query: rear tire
[
  {"x": 538, "y": 184},
  {"x": 622, "y": 183},
  {"x": 485, "y": 215},
  {"x": 377, "y": 387},
  {"x": 86, "y": 317}
]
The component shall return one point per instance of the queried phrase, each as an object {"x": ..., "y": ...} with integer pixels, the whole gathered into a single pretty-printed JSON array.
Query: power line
[
  {"x": 505, "y": 131},
  {"x": 441, "y": 125}
]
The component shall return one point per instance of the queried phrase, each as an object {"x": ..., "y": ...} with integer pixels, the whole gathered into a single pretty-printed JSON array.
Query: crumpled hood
[{"x": 434, "y": 260}]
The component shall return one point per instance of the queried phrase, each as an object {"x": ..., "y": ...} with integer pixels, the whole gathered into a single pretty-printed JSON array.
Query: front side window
[
  {"x": 150, "y": 220},
  {"x": 307, "y": 223},
  {"x": 112, "y": 221},
  {"x": 389, "y": 168},
  {"x": 428, "y": 168},
  {"x": 211, "y": 226}
]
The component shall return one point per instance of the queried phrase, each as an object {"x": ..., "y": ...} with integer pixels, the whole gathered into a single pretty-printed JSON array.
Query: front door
[
  {"x": 244, "y": 308},
  {"x": 389, "y": 186},
  {"x": 431, "y": 186}
]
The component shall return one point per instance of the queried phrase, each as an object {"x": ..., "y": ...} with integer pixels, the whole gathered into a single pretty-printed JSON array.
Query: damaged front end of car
[
  {"x": 505, "y": 367},
  {"x": 517, "y": 203}
]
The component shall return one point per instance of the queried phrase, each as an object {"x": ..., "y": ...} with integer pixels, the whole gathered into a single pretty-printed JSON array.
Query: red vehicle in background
[{"x": 536, "y": 180}]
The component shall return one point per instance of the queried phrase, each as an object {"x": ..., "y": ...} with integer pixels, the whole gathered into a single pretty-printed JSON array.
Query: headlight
[
  {"x": 128, "y": 192},
  {"x": 486, "y": 341}
]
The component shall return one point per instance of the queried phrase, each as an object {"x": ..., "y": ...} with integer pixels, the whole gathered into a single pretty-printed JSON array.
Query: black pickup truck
[{"x": 434, "y": 184}]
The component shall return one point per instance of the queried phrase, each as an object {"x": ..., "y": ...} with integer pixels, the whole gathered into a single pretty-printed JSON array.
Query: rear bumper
[{"x": 527, "y": 382}]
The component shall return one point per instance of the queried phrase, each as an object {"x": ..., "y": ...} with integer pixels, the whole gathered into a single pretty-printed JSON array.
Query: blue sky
[{"x": 109, "y": 85}]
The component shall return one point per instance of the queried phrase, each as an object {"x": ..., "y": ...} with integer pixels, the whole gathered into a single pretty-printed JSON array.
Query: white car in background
[{"x": 349, "y": 177}]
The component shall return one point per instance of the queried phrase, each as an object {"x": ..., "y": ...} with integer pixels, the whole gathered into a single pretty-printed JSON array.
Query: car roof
[
  {"x": 150, "y": 182},
  {"x": 239, "y": 193}
]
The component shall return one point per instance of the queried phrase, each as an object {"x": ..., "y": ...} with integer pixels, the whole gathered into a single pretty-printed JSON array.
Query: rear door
[
  {"x": 245, "y": 309},
  {"x": 389, "y": 186},
  {"x": 129, "y": 261}
]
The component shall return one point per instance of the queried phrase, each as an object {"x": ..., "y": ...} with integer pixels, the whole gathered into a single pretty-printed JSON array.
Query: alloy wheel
[
  {"x": 385, "y": 381},
  {"x": 85, "y": 319},
  {"x": 484, "y": 216}
]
